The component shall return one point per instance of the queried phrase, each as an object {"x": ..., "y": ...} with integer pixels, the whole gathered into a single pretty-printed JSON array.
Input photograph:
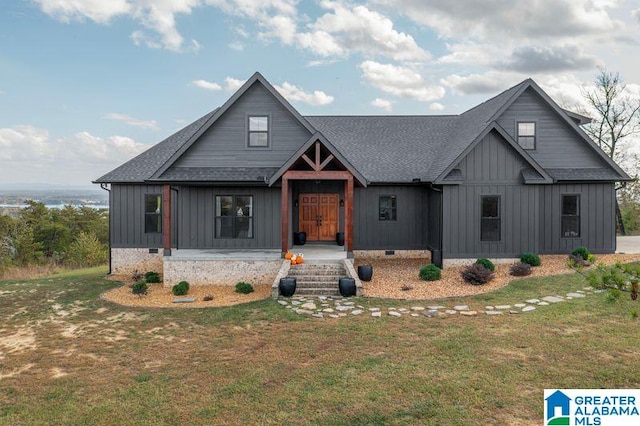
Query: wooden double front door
[{"x": 319, "y": 216}]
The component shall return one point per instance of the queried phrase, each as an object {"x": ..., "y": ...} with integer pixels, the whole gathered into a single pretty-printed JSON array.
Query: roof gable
[
  {"x": 256, "y": 78},
  {"x": 334, "y": 153},
  {"x": 442, "y": 178}
]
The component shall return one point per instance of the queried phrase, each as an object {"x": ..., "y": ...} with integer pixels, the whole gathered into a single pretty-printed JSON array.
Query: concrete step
[
  {"x": 317, "y": 284},
  {"x": 317, "y": 291},
  {"x": 327, "y": 278}
]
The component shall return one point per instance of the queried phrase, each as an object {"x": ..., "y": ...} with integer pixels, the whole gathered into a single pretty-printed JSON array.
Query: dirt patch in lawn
[
  {"x": 161, "y": 296},
  {"x": 391, "y": 275}
]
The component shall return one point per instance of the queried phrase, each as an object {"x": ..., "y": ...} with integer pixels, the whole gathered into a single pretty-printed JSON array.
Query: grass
[{"x": 67, "y": 357}]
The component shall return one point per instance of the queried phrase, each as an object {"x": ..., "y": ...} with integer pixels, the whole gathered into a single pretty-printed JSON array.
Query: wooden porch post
[
  {"x": 166, "y": 219},
  {"x": 285, "y": 213},
  {"x": 348, "y": 213}
]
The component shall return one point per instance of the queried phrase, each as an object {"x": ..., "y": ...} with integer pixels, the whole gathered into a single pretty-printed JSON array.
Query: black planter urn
[
  {"x": 302, "y": 238},
  {"x": 340, "y": 238},
  {"x": 365, "y": 272},
  {"x": 287, "y": 286},
  {"x": 347, "y": 287}
]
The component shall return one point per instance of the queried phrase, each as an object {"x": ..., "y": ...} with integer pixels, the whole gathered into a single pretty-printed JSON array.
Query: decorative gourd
[
  {"x": 294, "y": 259},
  {"x": 299, "y": 260},
  {"x": 288, "y": 255}
]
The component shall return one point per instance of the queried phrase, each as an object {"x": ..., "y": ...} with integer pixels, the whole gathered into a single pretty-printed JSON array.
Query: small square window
[
  {"x": 387, "y": 209},
  {"x": 527, "y": 135},
  {"x": 258, "y": 131}
]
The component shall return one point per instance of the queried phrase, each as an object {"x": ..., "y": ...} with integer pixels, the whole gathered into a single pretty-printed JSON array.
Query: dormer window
[
  {"x": 527, "y": 134},
  {"x": 258, "y": 131}
]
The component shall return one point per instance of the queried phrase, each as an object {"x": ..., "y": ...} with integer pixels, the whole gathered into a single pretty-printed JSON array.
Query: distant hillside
[{"x": 55, "y": 197}]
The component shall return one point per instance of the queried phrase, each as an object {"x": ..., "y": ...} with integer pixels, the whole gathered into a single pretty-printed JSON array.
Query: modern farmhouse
[{"x": 514, "y": 174}]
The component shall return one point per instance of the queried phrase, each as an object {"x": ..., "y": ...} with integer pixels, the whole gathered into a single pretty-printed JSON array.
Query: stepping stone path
[{"x": 336, "y": 307}]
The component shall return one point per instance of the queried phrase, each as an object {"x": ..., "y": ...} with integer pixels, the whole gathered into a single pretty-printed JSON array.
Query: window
[
  {"x": 234, "y": 216},
  {"x": 387, "y": 207},
  {"x": 570, "y": 225},
  {"x": 259, "y": 131},
  {"x": 153, "y": 213},
  {"x": 490, "y": 222},
  {"x": 527, "y": 135}
]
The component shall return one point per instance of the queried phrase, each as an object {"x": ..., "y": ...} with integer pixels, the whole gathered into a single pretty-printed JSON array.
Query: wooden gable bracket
[{"x": 317, "y": 165}]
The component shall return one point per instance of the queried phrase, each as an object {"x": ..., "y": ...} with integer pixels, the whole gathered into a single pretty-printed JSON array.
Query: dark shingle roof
[
  {"x": 387, "y": 148},
  {"x": 603, "y": 174},
  {"x": 146, "y": 164},
  {"x": 218, "y": 174}
]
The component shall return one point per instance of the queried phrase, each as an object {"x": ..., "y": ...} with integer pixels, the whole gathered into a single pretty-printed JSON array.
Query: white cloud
[
  {"x": 490, "y": 83},
  {"x": 358, "y": 29},
  {"x": 204, "y": 84},
  {"x": 30, "y": 155},
  {"x": 294, "y": 94},
  {"x": 237, "y": 46},
  {"x": 400, "y": 81},
  {"x": 131, "y": 121},
  {"x": 232, "y": 84},
  {"x": 382, "y": 103},
  {"x": 436, "y": 106},
  {"x": 636, "y": 14},
  {"x": 157, "y": 16}
]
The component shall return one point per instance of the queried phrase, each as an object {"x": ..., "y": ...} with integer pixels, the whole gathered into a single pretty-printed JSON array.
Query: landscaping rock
[
  {"x": 514, "y": 312},
  {"x": 553, "y": 299},
  {"x": 543, "y": 303},
  {"x": 450, "y": 312},
  {"x": 528, "y": 308},
  {"x": 436, "y": 307},
  {"x": 334, "y": 316},
  {"x": 356, "y": 312},
  {"x": 489, "y": 308},
  {"x": 469, "y": 313},
  {"x": 317, "y": 315},
  {"x": 503, "y": 307},
  {"x": 304, "y": 312},
  {"x": 376, "y": 314},
  {"x": 395, "y": 314},
  {"x": 417, "y": 308},
  {"x": 520, "y": 305},
  {"x": 532, "y": 301},
  {"x": 283, "y": 302},
  {"x": 432, "y": 313},
  {"x": 374, "y": 309},
  {"x": 415, "y": 315},
  {"x": 494, "y": 312},
  {"x": 328, "y": 310},
  {"x": 461, "y": 308},
  {"x": 184, "y": 300},
  {"x": 576, "y": 295},
  {"x": 309, "y": 305}
]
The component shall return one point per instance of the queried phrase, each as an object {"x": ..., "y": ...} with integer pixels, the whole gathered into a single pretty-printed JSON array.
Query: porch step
[{"x": 317, "y": 279}]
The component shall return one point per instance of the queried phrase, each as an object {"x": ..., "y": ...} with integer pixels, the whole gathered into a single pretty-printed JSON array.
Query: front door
[{"x": 319, "y": 216}]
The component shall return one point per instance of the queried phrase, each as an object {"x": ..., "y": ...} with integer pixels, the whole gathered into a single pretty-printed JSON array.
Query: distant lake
[{"x": 56, "y": 206}]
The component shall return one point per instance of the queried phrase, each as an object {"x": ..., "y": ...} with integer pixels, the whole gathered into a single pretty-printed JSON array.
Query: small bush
[
  {"x": 430, "y": 272},
  {"x": 244, "y": 288},
  {"x": 152, "y": 277},
  {"x": 576, "y": 261},
  {"x": 180, "y": 289},
  {"x": 486, "y": 263},
  {"x": 581, "y": 251},
  {"x": 87, "y": 250},
  {"x": 530, "y": 259},
  {"x": 520, "y": 269},
  {"x": 477, "y": 274},
  {"x": 139, "y": 288},
  {"x": 136, "y": 276},
  {"x": 591, "y": 259}
]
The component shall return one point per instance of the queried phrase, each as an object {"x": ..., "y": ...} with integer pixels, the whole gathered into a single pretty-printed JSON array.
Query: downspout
[
  {"x": 105, "y": 187},
  {"x": 440, "y": 226},
  {"x": 177, "y": 222}
]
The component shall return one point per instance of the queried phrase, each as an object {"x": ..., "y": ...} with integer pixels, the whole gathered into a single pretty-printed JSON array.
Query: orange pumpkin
[
  {"x": 299, "y": 260},
  {"x": 288, "y": 255}
]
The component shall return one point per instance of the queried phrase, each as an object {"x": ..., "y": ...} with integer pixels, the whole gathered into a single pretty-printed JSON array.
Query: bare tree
[{"x": 617, "y": 116}]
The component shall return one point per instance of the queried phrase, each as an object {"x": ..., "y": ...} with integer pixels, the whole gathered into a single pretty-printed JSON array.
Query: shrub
[
  {"x": 180, "y": 289},
  {"x": 530, "y": 259},
  {"x": 139, "y": 288},
  {"x": 430, "y": 272},
  {"x": 520, "y": 269},
  {"x": 152, "y": 277},
  {"x": 581, "y": 251},
  {"x": 136, "y": 276},
  {"x": 576, "y": 261},
  {"x": 87, "y": 250},
  {"x": 591, "y": 259},
  {"x": 477, "y": 274},
  {"x": 244, "y": 288},
  {"x": 486, "y": 263}
]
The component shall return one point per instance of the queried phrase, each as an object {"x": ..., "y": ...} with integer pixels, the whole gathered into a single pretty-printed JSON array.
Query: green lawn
[{"x": 67, "y": 357}]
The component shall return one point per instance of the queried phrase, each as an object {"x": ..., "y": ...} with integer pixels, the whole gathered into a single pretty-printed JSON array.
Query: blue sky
[{"x": 87, "y": 84}]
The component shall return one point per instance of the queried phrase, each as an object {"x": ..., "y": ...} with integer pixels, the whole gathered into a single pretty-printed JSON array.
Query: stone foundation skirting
[
  {"x": 220, "y": 272},
  {"x": 397, "y": 254},
  {"x": 128, "y": 260}
]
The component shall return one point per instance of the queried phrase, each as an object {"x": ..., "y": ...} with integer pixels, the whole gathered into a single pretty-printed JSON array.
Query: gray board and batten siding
[
  {"x": 557, "y": 145},
  {"x": 530, "y": 215},
  {"x": 224, "y": 144}
]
